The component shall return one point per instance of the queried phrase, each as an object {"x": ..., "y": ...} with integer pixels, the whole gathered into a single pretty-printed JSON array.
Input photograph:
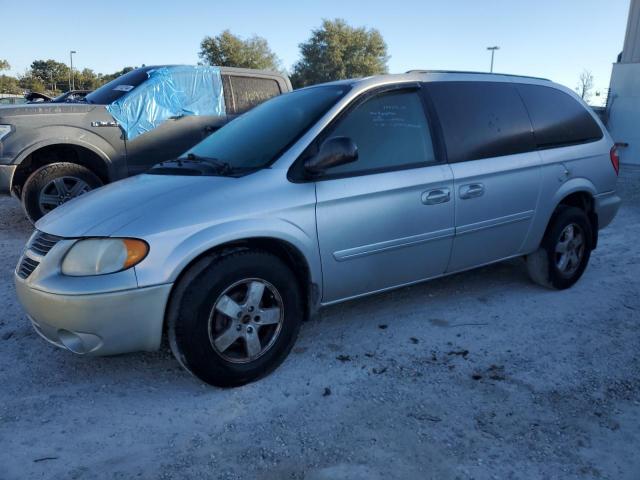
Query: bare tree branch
[{"x": 585, "y": 85}]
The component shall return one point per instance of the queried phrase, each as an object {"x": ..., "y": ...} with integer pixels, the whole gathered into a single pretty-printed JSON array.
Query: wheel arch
[
  {"x": 283, "y": 249},
  {"x": 580, "y": 195},
  {"x": 70, "y": 150},
  {"x": 579, "y": 192}
]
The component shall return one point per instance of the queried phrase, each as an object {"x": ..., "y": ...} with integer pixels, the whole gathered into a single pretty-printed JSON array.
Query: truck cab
[{"x": 51, "y": 153}]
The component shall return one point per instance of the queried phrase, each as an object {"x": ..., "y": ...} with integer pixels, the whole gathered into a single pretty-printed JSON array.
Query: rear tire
[
  {"x": 55, "y": 184},
  {"x": 565, "y": 250},
  {"x": 214, "y": 324}
]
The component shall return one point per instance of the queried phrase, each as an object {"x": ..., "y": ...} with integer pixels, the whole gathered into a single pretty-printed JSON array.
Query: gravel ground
[{"x": 478, "y": 375}]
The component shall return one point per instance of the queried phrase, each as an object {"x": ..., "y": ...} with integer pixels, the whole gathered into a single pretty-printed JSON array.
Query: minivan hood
[
  {"x": 106, "y": 210},
  {"x": 149, "y": 204}
]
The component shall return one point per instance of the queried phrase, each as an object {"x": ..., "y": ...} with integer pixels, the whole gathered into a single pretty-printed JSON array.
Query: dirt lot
[{"x": 479, "y": 375}]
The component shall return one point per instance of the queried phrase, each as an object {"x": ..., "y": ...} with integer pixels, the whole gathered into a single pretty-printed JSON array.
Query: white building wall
[
  {"x": 631, "y": 49},
  {"x": 624, "y": 93},
  {"x": 624, "y": 110}
]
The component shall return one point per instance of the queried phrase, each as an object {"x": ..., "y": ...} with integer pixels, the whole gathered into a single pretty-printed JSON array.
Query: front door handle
[
  {"x": 472, "y": 190},
  {"x": 433, "y": 197}
]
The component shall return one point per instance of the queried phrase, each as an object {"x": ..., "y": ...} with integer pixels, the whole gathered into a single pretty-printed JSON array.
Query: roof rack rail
[{"x": 476, "y": 73}]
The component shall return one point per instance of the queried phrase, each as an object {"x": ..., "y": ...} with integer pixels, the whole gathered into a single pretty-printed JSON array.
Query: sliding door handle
[{"x": 472, "y": 190}]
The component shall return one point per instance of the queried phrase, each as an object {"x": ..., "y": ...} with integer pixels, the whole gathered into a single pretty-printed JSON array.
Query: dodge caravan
[{"x": 315, "y": 197}]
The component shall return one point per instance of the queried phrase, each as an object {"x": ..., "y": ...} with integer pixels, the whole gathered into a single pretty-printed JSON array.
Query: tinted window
[
  {"x": 251, "y": 91},
  {"x": 256, "y": 138},
  {"x": 481, "y": 119},
  {"x": 558, "y": 119},
  {"x": 112, "y": 91},
  {"x": 390, "y": 130}
]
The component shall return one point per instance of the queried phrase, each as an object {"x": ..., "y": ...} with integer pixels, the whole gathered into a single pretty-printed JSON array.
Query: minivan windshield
[
  {"x": 255, "y": 139},
  {"x": 112, "y": 91}
]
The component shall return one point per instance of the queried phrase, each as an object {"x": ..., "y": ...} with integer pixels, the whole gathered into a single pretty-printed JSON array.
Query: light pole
[
  {"x": 71, "y": 79},
  {"x": 493, "y": 51}
]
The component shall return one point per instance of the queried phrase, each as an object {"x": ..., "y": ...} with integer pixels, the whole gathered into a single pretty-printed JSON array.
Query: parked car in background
[
  {"x": 52, "y": 152},
  {"x": 70, "y": 96},
  {"x": 10, "y": 99},
  {"x": 37, "y": 97},
  {"x": 319, "y": 196}
]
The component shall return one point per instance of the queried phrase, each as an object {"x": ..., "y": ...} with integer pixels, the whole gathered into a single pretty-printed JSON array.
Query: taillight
[{"x": 615, "y": 159}]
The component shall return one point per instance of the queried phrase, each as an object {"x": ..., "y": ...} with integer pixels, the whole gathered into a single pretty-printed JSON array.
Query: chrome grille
[
  {"x": 27, "y": 266},
  {"x": 39, "y": 245}
]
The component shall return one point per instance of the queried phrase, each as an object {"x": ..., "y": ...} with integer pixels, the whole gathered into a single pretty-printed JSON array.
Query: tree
[
  {"x": 9, "y": 84},
  {"x": 337, "y": 50},
  {"x": 107, "y": 78},
  {"x": 229, "y": 50},
  {"x": 51, "y": 73},
  {"x": 30, "y": 82},
  {"x": 585, "y": 85},
  {"x": 87, "y": 79}
]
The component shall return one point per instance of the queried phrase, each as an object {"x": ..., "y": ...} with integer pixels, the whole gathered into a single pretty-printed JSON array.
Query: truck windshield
[
  {"x": 112, "y": 91},
  {"x": 255, "y": 139}
]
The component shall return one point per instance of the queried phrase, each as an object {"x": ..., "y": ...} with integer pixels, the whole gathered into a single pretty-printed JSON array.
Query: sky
[{"x": 553, "y": 39}]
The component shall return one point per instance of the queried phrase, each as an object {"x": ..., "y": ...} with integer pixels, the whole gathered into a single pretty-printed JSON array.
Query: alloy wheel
[
  {"x": 570, "y": 249},
  {"x": 246, "y": 320},
  {"x": 60, "y": 190}
]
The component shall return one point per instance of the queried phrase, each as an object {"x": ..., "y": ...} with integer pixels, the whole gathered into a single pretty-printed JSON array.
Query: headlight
[
  {"x": 4, "y": 131},
  {"x": 99, "y": 256}
]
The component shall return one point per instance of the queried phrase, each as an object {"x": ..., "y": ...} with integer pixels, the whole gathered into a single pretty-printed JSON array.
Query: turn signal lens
[{"x": 136, "y": 251}]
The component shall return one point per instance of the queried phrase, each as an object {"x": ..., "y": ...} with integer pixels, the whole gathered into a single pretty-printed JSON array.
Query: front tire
[
  {"x": 237, "y": 318},
  {"x": 54, "y": 184},
  {"x": 565, "y": 250}
]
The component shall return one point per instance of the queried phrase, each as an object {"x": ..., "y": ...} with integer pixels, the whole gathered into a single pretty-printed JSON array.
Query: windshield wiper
[
  {"x": 223, "y": 168},
  {"x": 194, "y": 164}
]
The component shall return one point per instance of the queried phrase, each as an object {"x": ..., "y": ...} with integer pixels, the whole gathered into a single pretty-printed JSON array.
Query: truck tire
[{"x": 55, "y": 184}]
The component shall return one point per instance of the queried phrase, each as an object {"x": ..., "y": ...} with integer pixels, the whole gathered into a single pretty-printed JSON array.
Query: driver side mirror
[{"x": 333, "y": 152}]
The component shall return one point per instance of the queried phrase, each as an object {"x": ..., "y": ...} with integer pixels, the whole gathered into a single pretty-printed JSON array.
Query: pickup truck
[{"x": 53, "y": 152}]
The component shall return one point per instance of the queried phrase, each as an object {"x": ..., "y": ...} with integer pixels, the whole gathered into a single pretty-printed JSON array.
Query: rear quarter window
[
  {"x": 248, "y": 92},
  {"x": 481, "y": 119},
  {"x": 558, "y": 119}
]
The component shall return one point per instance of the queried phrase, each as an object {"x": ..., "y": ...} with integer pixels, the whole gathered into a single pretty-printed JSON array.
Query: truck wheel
[
  {"x": 236, "y": 319},
  {"x": 564, "y": 252},
  {"x": 55, "y": 184}
]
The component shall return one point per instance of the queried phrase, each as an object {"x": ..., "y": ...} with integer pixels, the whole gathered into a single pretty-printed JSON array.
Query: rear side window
[
  {"x": 228, "y": 93},
  {"x": 390, "y": 131},
  {"x": 481, "y": 119},
  {"x": 249, "y": 92},
  {"x": 558, "y": 119}
]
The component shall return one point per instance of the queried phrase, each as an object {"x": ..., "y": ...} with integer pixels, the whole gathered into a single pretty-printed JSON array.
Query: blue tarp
[{"x": 169, "y": 92}]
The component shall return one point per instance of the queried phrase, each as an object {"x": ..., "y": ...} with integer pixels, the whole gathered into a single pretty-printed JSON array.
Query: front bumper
[
  {"x": 98, "y": 324},
  {"x": 606, "y": 207},
  {"x": 6, "y": 174}
]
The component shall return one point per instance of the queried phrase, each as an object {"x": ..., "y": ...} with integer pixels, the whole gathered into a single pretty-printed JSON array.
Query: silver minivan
[{"x": 322, "y": 195}]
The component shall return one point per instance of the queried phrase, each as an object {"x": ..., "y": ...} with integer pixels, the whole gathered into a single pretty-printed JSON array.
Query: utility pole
[
  {"x": 493, "y": 51},
  {"x": 71, "y": 79}
]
